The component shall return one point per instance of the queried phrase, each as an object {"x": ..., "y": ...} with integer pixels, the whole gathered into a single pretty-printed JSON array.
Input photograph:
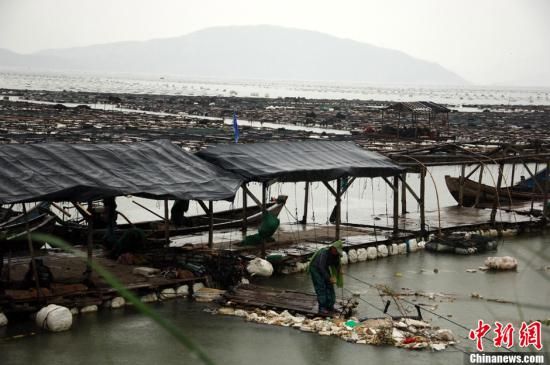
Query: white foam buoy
[
  {"x": 413, "y": 245},
  {"x": 54, "y": 318},
  {"x": 402, "y": 248},
  {"x": 197, "y": 287},
  {"x": 260, "y": 267},
  {"x": 3, "y": 320},
  {"x": 344, "y": 258},
  {"x": 118, "y": 302},
  {"x": 382, "y": 250},
  {"x": 182, "y": 291},
  {"x": 149, "y": 298},
  {"x": 421, "y": 245},
  {"x": 372, "y": 253},
  {"x": 74, "y": 311},
  {"x": 394, "y": 250},
  {"x": 361, "y": 254},
  {"x": 88, "y": 309},
  {"x": 168, "y": 293},
  {"x": 352, "y": 256}
]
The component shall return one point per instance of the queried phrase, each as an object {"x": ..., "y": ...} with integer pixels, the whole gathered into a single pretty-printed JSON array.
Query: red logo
[{"x": 529, "y": 334}]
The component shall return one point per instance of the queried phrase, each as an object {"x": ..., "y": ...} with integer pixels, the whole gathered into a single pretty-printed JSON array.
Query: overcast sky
[{"x": 484, "y": 41}]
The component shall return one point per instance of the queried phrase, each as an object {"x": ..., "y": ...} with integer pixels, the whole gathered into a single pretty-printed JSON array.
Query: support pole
[
  {"x": 245, "y": 203},
  {"x": 264, "y": 211},
  {"x": 535, "y": 187},
  {"x": 306, "y": 195},
  {"x": 461, "y": 186},
  {"x": 479, "y": 180},
  {"x": 513, "y": 174},
  {"x": 31, "y": 250},
  {"x": 338, "y": 207},
  {"x": 210, "y": 224},
  {"x": 422, "y": 202},
  {"x": 395, "y": 206},
  {"x": 90, "y": 244},
  {"x": 546, "y": 186},
  {"x": 403, "y": 193},
  {"x": 497, "y": 191},
  {"x": 166, "y": 223}
]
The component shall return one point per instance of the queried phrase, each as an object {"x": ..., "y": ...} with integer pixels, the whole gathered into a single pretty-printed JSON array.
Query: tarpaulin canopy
[
  {"x": 299, "y": 161},
  {"x": 82, "y": 172}
]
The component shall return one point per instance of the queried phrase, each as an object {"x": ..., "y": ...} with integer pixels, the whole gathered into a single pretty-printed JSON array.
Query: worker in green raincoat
[{"x": 325, "y": 270}]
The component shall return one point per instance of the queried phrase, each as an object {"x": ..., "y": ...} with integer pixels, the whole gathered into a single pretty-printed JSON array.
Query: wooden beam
[
  {"x": 533, "y": 176},
  {"x": 166, "y": 223},
  {"x": 245, "y": 203},
  {"x": 473, "y": 171},
  {"x": 403, "y": 178},
  {"x": 338, "y": 207},
  {"x": 546, "y": 188},
  {"x": 306, "y": 198},
  {"x": 90, "y": 245},
  {"x": 264, "y": 211},
  {"x": 479, "y": 180},
  {"x": 410, "y": 189},
  {"x": 461, "y": 186},
  {"x": 210, "y": 224},
  {"x": 203, "y": 206},
  {"x": 330, "y": 188},
  {"x": 31, "y": 250},
  {"x": 497, "y": 198},
  {"x": 350, "y": 181},
  {"x": 422, "y": 202},
  {"x": 249, "y": 193},
  {"x": 395, "y": 206}
]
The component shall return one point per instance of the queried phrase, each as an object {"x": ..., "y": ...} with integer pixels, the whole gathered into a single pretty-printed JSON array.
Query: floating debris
[
  {"x": 501, "y": 263},
  {"x": 405, "y": 333}
]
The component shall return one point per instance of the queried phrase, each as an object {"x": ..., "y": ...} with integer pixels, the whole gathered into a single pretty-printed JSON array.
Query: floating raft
[{"x": 253, "y": 296}]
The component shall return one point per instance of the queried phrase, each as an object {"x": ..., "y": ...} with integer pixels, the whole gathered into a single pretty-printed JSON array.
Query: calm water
[
  {"x": 126, "y": 337},
  {"x": 173, "y": 85}
]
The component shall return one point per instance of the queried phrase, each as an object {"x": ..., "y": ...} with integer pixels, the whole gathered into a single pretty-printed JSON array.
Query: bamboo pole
[
  {"x": 479, "y": 180},
  {"x": 31, "y": 250},
  {"x": 90, "y": 243},
  {"x": 546, "y": 188},
  {"x": 264, "y": 212},
  {"x": 422, "y": 201},
  {"x": 461, "y": 186},
  {"x": 497, "y": 191}
]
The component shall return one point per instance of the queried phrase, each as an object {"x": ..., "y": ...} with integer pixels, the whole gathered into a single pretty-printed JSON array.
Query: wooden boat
[
  {"x": 14, "y": 229},
  {"x": 470, "y": 189},
  {"x": 76, "y": 232}
]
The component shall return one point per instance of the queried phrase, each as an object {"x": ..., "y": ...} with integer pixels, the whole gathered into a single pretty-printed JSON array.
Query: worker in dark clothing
[
  {"x": 326, "y": 270},
  {"x": 45, "y": 276},
  {"x": 177, "y": 213}
]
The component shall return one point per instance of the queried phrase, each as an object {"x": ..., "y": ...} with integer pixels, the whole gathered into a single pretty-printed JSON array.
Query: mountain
[{"x": 246, "y": 52}]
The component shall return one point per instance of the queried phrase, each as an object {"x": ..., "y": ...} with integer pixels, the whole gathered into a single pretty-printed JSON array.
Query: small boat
[
  {"x": 506, "y": 195},
  {"x": 76, "y": 231},
  {"x": 14, "y": 228}
]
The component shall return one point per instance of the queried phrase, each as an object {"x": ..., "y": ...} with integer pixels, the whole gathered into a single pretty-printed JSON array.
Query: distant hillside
[{"x": 248, "y": 52}]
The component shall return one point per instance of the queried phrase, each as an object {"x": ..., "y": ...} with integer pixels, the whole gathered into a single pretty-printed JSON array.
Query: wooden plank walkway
[{"x": 252, "y": 296}]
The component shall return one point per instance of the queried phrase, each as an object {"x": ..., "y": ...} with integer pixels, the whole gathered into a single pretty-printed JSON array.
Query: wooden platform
[{"x": 253, "y": 296}]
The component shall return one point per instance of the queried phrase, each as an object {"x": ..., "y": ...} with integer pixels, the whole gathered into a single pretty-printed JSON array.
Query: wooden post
[
  {"x": 245, "y": 203},
  {"x": 338, "y": 208},
  {"x": 395, "y": 206},
  {"x": 497, "y": 192},
  {"x": 403, "y": 194},
  {"x": 166, "y": 223},
  {"x": 210, "y": 224},
  {"x": 535, "y": 187},
  {"x": 306, "y": 195},
  {"x": 461, "y": 186},
  {"x": 479, "y": 180},
  {"x": 264, "y": 211},
  {"x": 398, "y": 123},
  {"x": 422, "y": 201},
  {"x": 90, "y": 243},
  {"x": 31, "y": 250},
  {"x": 513, "y": 174}
]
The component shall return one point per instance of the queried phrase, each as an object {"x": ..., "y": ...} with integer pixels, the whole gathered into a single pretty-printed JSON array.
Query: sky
[{"x": 487, "y": 42}]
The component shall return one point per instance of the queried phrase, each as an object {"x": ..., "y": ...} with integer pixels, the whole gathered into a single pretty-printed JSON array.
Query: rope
[{"x": 427, "y": 310}]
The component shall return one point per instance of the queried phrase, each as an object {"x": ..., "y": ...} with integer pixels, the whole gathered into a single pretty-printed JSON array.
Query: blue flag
[{"x": 235, "y": 127}]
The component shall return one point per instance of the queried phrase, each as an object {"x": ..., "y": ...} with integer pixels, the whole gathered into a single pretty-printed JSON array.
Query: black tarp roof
[
  {"x": 81, "y": 172},
  {"x": 299, "y": 161}
]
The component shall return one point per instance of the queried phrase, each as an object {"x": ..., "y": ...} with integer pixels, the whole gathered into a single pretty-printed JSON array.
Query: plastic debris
[
  {"x": 501, "y": 263},
  {"x": 182, "y": 291},
  {"x": 260, "y": 267},
  {"x": 118, "y": 302},
  {"x": 88, "y": 309}
]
